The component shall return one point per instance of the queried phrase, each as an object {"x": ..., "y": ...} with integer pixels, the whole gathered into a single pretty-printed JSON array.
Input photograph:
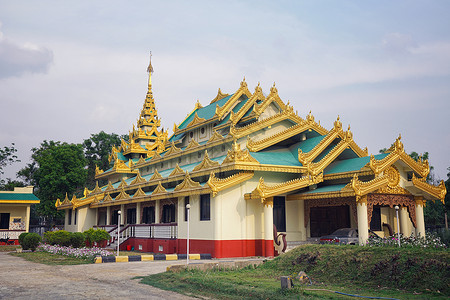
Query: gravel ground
[{"x": 21, "y": 279}]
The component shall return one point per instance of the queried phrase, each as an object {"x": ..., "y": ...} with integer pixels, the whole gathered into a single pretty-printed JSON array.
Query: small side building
[{"x": 15, "y": 209}]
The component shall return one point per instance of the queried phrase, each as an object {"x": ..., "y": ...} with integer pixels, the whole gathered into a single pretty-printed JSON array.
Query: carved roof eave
[
  {"x": 206, "y": 163},
  {"x": 219, "y": 96},
  {"x": 398, "y": 153},
  {"x": 437, "y": 192},
  {"x": 138, "y": 179},
  {"x": 257, "y": 95},
  {"x": 206, "y": 146},
  {"x": 172, "y": 150},
  {"x": 287, "y": 114},
  {"x": 112, "y": 172},
  {"x": 272, "y": 97},
  {"x": 176, "y": 171},
  {"x": 218, "y": 184},
  {"x": 221, "y": 112},
  {"x": 256, "y": 146},
  {"x": 318, "y": 167},
  {"x": 335, "y": 132},
  {"x": 187, "y": 184},
  {"x": 263, "y": 191}
]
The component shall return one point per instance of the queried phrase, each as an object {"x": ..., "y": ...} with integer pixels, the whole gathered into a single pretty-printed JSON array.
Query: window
[
  {"x": 75, "y": 217},
  {"x": 149, "y": 215},
  {"x": 69, "y": 222},
  {"x": 205, "y": 207},
  {"x": 4, "y": 221},
  {"x": 375, "y": 222},
  {"x": 279, "y": 213},
  {"x": 186, "y": 202},
  {"x": 202, "y": 130},
  {"x": 131, "y": 216},
  {"x": 168, "y": 213},
  {"x": 115, "y": 218},
  {"x": 191, "y": 134}
]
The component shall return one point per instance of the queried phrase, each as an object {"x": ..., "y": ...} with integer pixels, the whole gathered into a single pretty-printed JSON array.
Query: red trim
[{"x": 217, "y": 248}]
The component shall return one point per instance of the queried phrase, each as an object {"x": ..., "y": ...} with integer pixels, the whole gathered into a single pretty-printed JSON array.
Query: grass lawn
[
  {"x": 51, "y": 259},
  {"x": 377, "y": 272}
]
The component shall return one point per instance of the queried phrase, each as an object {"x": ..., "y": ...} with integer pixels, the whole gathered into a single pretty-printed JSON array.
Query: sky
[{"x": 69, "y": 69}]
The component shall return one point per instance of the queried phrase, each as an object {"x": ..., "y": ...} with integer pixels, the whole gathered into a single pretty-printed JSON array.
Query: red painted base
[{"x": 217, "y": 249}]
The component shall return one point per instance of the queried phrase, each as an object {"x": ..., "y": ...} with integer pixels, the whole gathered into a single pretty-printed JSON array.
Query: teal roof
[
  {"x": 326, "y": 189},
  {"x": 308, "y": 144},
  {"x": 17, "y": 196},
  {"x": 177, "y": 137},
  {"x": 280, "y": 156},
  {"x": 121, "y": 156},
  {"x": 349, "y": 165},
  {"x": 206, "y": 112}
]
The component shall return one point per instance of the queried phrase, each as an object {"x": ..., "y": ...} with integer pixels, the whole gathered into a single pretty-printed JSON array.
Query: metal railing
[
  {"x": 10, "y": 234},
  {"x": 149, "y": 231}
]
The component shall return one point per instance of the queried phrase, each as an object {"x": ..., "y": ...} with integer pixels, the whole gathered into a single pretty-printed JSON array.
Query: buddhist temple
[{"x": 248, "y": 165}]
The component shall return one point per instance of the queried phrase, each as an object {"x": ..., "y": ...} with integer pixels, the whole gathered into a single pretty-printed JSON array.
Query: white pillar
[
  {"x": 301, "y": 219},
  {"x": 157, "y": 219},
  {"x": 27, "y": 220},
  {"x": 363, "y": 221},
  {"x": 268, "y": 227},
  {"x": 124, "y": 213},
  {"x": 404, "y": 218},
  {"x": 96, "y": 215},
  {"x": 108, "y": 215},
  {"x": 138, "y": 213},
  {"x": 420, "y": 222}
]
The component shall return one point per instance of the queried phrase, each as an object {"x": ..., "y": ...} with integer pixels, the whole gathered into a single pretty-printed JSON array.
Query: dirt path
[{"x": 21, "y": 279}]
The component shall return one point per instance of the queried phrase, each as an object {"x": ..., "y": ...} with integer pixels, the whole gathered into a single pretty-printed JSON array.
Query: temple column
[
  {"x": 108, "y": 215},
  {"x": 27, "y": 219},
  {"x": 420, "y": 230},
  {"x": 404, "y": 216},
  {"x": 157, "y": 217},
  {"x": 301, "y": 220},
  {"x": 123, "y": 214},
  {"x": 96, "y": 216},
  {"x": 268, "y": 227},
  {"x": 363, "y": 221},
  {"x": 138, "y": 213}
]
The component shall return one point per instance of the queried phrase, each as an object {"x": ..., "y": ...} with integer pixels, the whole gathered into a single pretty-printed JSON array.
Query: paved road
[{"x": 21, "y": 279}]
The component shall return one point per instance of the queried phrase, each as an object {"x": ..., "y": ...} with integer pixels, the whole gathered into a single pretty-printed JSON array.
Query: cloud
[
  {"x": 398, "y": 44},
  {"x": 16, "y": 60}
]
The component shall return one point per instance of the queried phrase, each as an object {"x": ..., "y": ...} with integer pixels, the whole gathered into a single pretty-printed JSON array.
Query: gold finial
[{"x": 150, "y": 71}]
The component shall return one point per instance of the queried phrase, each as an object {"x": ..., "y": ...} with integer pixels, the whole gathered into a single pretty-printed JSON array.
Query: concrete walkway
[{"x": 21, "y": 279}]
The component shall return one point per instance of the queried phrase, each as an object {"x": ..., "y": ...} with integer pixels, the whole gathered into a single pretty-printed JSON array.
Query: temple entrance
[{"x": 325, "y": 220}]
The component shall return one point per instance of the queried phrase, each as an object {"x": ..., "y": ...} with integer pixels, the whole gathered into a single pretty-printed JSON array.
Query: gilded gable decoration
[
  {"x": 155, "y": 176},
  {"x": 108, "y": 198},
  {"x": 122, "y": 195},
  {"x": 97, "y": 189},
  {"x": 141, "y": 160},
  {"x": 98, "y": 171},
  {"x": 257, "y": 95},
  {"x": 187, "y": 184},
  {"x": 172, "y": 150},
  {"x": 159, "y": 189},
  {"x": 264, "y": 191},
  {"x": 218, "y": 184},
  {"x": 206, "y": 163},
  {"x": 221, "y": 112},
  {"x": 219, "y": 96},
  {"x": 122, "y": 184},
  {"x": 66, "y": 200},
  {"x": 192, "y": 144},
  {"x": 438, "y": 192},
  {"x": 397, "y": 152},
  {"x": 176, "y": 171},
  {"x": 236, "y": 155},
  {"x": 57, "y": 203},
  {"x": 273, "y": 97},
  {"x": 138, "y": 179},
  {"x": 196, "y": 121},
  {"x": 215, "y": 137},
  {"x": 139, "y": 193},
  {"x": 363, "y": 188},
  {"x": 109, "y": 187}
]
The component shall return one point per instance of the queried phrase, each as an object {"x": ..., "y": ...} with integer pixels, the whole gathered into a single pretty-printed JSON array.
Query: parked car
[{"x": 347, "y": 236}]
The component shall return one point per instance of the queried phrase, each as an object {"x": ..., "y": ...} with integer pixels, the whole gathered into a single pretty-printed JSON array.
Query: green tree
[
  {"x": 56, "y": 169},
  {"x": 10, "y": 184},
  {"x": 97, "y": 149},
  {"x": 7, "y": 157}
]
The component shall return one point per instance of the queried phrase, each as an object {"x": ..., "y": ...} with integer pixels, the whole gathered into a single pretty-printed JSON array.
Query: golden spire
[{"x": 150, "y": 71}]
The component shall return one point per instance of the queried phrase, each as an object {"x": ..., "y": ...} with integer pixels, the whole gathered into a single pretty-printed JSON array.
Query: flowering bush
[
  {"x": 84, "y": 253},
  {"x": 431, "y": 241}
]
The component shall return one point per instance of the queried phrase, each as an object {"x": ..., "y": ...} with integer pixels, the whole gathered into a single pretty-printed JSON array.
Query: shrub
[
  {"x": 31, "y": 241},
  {"x": 430, "y": 241},
  {"x": 60, "y": 237},
  {"x": 77, "y": 239},
  {"x": 101, "y": 235},
  {"x": 21, "y": 238},
  {"x": 96, "y": 236}
]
